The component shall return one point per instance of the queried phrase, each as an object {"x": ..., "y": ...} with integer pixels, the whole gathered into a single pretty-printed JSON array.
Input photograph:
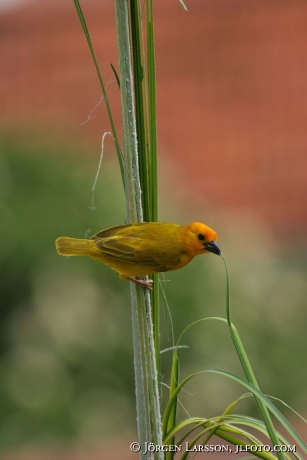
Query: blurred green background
[
  {"x": 66, "y": 357},
  {"x": 66, "y": 352}
]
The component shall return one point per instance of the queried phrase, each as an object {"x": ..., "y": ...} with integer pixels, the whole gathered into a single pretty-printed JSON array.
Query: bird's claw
[{"x": 147, "y": 284}]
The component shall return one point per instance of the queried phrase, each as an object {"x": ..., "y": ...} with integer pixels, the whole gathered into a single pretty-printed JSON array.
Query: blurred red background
[{"x": 232, "y": 93}]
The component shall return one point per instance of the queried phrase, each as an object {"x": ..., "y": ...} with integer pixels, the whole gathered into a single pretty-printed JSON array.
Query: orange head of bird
[{"x": 202, "y": 238}]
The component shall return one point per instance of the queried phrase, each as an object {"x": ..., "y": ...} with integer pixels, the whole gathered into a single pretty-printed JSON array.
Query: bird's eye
[{"x": 200, "y": 236}]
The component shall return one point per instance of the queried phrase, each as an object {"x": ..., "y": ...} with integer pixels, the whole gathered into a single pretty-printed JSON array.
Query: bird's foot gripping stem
[{"x": 147, "y": 284}]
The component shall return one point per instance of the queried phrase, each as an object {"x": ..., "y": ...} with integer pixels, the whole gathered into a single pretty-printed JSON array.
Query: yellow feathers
[{"x": 145, "y": 248}]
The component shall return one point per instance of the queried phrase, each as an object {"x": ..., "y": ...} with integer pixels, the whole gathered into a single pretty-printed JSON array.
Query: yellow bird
[{"x": 144, "y": 248}]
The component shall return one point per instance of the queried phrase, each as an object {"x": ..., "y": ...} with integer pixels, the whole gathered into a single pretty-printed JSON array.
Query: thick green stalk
[
  {"x": 139, "y": 68},
  {"x": 145, "y": 105},
  {"x": 152, "y": 108},
  {"x": 153, "y": 177},
  {"x": 146, "y": 380}
]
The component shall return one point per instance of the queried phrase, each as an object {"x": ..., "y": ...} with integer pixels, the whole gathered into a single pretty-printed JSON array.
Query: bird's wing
[
  {"x": 124, "y": 229},
  {"x": 109, "y": 232},
  {"x": 129, "y": 250}
]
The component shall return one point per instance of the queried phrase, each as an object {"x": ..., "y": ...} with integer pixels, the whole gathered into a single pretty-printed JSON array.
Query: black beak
[{"x": 213, "y": 247}]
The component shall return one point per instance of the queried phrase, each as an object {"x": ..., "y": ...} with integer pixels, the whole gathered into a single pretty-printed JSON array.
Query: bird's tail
[{"x": 75, "y": 247}]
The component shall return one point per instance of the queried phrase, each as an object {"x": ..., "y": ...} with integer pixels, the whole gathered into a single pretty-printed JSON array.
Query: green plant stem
[
  {"x": 152, "y": 108},
  {"x": 140, "y": 106},
  {"x": 153, "y": 177},
  {"x": 103, "y": 87},
  {"x": 249, "y": 371},
  {"x": 145, "y": 106},
  {"x": 146, "y": 380}
]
